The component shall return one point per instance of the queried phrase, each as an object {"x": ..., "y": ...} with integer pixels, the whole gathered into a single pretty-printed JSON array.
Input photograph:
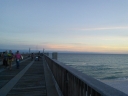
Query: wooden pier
[
  {"x": 49, "y": 77},
  {"x": 32, "y": 79}
]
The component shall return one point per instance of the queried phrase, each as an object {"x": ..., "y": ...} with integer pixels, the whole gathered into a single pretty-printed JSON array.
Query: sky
[{"x": 64, "y": 25}]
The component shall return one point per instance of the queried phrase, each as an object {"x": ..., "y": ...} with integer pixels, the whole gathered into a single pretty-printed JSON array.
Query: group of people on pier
[
  {"x": 9, "y": 57},
  {"x": 37, "y": 57}
]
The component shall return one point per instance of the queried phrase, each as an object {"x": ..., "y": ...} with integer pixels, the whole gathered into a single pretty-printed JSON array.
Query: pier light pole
[
  {"x": 29, "y": 51},
  {"x": 43, "y": 55}
]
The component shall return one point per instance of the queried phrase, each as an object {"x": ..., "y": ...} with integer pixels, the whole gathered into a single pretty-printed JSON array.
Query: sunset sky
[{"x": 64, "y": 25}]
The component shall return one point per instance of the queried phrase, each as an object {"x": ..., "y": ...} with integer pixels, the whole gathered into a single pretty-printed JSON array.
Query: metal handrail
[{"x": 75, "y": 83}]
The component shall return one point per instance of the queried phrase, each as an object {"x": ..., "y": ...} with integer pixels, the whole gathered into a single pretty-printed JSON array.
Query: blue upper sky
[{"x": 68, "y": 25}]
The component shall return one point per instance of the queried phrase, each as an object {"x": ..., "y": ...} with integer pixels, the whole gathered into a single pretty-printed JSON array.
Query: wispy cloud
[{"x": 103, "y": 28}]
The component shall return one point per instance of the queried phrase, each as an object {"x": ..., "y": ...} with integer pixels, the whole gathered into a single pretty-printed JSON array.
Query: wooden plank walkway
[{"x": 29, "y": 80}]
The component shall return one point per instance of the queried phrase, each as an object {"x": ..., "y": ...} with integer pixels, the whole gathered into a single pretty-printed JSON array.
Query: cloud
[{"x": 103, "y": 28}]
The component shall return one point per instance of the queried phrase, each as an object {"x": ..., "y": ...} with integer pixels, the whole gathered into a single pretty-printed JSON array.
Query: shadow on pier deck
[{"x": 32, "y": 79}]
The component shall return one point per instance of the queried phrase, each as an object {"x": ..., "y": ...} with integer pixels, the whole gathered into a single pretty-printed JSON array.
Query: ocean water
[{"x": 99, "y": 66}]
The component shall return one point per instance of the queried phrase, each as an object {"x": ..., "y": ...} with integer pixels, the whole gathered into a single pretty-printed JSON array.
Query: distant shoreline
[{"x": 62, "y": 52}]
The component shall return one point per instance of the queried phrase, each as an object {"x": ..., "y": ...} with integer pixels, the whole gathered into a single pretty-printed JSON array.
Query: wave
[{"x": 110, "y": 77}]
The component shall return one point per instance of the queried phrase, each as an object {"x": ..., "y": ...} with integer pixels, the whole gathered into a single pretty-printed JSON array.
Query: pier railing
[{"x": 75, "y": 83}]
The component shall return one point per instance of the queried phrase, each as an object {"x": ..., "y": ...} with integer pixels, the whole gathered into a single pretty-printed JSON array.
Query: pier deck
[{"x": 32, "y": 79}]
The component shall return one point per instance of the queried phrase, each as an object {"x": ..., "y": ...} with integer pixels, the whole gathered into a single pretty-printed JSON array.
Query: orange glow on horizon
[{"x": 87, "y": 48}]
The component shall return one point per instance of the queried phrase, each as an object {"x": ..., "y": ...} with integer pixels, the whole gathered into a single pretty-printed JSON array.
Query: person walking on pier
[
  {"x": 18, "y": 56},
  {"x": 10, "y": 59},
  {"x": 32, "y": 56},
  {"x": 4, "y": 56}
]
